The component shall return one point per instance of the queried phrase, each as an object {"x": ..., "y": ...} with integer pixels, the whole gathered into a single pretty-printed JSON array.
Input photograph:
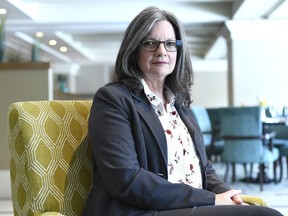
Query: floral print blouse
[{"x": 183, "y": 162}]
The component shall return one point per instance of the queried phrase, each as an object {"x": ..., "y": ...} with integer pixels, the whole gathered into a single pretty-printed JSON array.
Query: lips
[{"x": 160, "y": 62}]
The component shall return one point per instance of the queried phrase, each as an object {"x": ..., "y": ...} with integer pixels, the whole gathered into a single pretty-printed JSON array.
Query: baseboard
[{"x": 5, "y": 186}]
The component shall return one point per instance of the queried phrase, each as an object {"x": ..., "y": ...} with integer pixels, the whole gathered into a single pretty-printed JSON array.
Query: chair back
[
  {"x": 51, "y": 159},
  {"x": 241, "y": 130},
  {"x": 201, "y": 115},
  {"x": 214, "y": 115}
]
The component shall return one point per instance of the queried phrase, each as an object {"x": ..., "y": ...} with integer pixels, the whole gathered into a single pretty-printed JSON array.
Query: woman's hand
[
  {"x": 230, "y": 197},
  {"x": 238, "y": 200}
]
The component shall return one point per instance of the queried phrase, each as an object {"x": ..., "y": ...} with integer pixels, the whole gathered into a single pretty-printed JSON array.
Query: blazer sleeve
[{"x": 122, "y": 163}]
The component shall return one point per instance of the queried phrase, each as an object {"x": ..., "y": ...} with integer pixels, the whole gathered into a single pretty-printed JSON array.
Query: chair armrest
[
  {"x": 253, "y": 200},
  {"x": 48, "y": 214}
]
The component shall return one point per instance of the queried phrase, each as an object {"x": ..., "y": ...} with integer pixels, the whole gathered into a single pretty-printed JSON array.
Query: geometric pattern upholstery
[{"x": 51, "y": 164}]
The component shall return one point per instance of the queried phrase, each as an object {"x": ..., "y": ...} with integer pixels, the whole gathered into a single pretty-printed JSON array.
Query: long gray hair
[{"x": 127, "y": 69}]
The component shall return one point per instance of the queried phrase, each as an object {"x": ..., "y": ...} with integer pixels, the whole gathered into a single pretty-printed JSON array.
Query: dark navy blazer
[{"x": 130, "y": 152}]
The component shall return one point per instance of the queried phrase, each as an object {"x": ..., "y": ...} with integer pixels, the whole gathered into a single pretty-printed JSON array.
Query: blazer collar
[{"x": 149, "y": 116}]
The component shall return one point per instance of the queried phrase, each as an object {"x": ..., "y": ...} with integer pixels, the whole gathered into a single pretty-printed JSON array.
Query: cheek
[
  {"x": 173, "y": 59},
  {"x": 143, "y": 60}
]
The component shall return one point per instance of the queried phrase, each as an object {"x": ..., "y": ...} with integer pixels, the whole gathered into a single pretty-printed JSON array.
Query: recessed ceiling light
[
  {"x": 3, "y": 11},
  {"x": 63, "y": 49},
  {"x": 52, "y": 42},
  {"x": 39, "y": 34}
]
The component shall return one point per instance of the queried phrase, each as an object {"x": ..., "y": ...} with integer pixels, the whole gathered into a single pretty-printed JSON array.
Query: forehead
[{"x": 162, "y": 28}]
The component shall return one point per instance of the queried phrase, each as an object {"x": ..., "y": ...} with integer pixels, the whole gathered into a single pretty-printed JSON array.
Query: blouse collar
[{"x": 154, "y": 99}]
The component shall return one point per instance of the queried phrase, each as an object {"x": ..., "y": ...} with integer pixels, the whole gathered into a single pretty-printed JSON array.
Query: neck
[{"x": 157, "y": 87}]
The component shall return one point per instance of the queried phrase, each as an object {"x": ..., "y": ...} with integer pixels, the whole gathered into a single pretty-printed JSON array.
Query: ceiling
[{"x": 92, "y": 29}]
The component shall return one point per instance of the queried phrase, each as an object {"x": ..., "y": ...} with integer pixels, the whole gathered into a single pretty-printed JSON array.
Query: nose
[{"x": 161, "y": 50}]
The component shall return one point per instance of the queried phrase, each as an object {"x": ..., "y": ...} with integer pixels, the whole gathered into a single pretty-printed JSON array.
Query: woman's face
[{"x": 160, "y": 63}]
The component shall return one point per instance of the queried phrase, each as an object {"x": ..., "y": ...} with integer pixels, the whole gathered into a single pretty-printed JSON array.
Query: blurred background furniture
[
  {"x": 283, "y": 150},
  {"x": 214, "y": 116},
  {"x": 51, "y": 157},
  {"x": 279, "y": 125},
  {"x": 214, "y": 145},
  {"x": 244, "y": 142}
]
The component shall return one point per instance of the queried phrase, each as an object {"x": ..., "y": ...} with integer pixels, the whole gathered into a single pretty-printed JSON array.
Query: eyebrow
[{"x": 151, "y": 38}]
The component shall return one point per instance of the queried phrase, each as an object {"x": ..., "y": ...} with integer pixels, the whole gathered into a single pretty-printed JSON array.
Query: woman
[{"x": 149, "y": 153}]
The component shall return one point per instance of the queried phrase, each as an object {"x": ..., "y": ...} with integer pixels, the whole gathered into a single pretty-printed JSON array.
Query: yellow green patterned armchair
[{"x": 51, "y": 160}]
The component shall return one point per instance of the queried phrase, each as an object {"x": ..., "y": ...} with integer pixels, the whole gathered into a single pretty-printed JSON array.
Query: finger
[
  {"x": 237, "y": 199},
  {"x": 233, "y": 192}
]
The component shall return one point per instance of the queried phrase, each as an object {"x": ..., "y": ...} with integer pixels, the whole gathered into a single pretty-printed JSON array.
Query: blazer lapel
[
  {"x": 149, "y": 116},
  {"x": 146, "y": 111}
]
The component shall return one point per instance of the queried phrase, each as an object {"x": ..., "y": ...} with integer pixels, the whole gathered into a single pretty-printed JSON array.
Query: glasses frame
[{"x": 177, "y": 42}]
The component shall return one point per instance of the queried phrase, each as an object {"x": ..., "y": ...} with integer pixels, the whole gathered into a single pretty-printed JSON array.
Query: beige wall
[
  {"x": 210, "y": 89},
  {"x": 260, "y": 70},
  {"x": 257, "y": 62},
  {"x": 18, "y": 84}
]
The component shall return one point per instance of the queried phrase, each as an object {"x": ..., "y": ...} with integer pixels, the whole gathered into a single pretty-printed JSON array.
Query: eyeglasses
[{"x": 152, "y": 45}]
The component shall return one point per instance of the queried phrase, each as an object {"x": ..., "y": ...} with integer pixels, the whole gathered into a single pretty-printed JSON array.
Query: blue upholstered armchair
[
  {"x": 214, "y": 147},
  {"x": 244, "y": 142}
]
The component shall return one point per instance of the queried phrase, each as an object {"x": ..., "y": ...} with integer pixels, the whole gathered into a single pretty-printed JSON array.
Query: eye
[
  {"x": 149, "y": 43},
  {"x": 170, "y": 43}
]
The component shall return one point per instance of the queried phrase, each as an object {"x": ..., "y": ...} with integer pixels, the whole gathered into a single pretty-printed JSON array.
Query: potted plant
[
  {"x": 35, "y": 53},
  {"x": 2, "y": 35}
]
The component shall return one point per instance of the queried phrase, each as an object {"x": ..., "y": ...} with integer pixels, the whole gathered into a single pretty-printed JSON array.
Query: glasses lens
[
  {"x": 170, "y": 45},
  {"x": 150, "y": 45}
]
